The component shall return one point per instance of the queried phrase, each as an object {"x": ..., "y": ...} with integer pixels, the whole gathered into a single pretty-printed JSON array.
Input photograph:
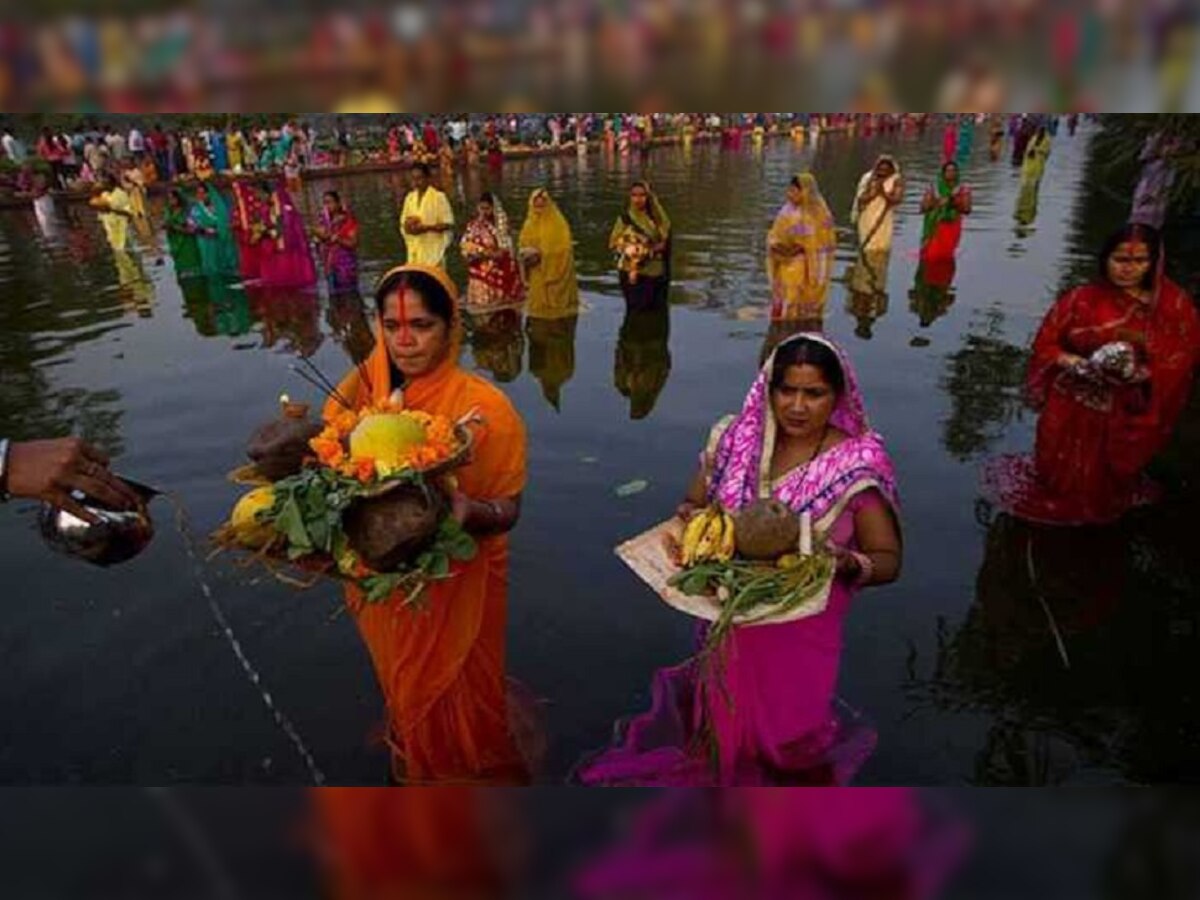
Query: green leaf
[
  {"x": 439, "y": 566},
  {"x": 290, "y": 522}
]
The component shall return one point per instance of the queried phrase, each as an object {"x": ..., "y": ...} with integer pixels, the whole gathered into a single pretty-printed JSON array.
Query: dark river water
[{"x": 142, "y": 673}]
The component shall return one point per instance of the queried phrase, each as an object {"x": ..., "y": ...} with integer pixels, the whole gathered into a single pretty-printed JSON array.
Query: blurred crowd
[
  {"x": 75, "y": 155},
  {"x": 520, "y": 54}
]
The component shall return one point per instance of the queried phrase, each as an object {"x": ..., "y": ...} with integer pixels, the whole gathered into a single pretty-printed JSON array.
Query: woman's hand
[
  {"x": 685, "y": 510},
  {"x": 847, "y": 565},
  {"x": 460, "y": 507}
]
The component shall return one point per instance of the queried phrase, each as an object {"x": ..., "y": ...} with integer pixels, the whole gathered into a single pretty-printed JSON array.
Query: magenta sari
[
  {"x": 286, "y": 259},
  {"x": 765, "y": 714}
]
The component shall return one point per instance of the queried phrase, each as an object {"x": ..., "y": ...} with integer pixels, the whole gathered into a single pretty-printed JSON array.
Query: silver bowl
[{"x": 117, "y": 536}]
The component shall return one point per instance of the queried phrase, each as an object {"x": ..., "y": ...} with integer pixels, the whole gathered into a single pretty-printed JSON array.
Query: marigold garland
[{"x": 330, "y": 446}]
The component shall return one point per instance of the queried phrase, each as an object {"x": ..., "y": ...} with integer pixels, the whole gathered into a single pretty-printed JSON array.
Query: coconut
[
  {"x": 392, "y": 528},
  {"x": 278, "y": 448},
  {"x": 766, "y": 529}
]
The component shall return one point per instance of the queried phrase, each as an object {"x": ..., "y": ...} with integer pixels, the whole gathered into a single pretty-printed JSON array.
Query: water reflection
[
  {"x": 932, "y": 292},
  {"x": 497, "y": 342},
  {"x": 289, "y": 317},
  {"x": 346, "y": 316},
  {"x": 216, "y": 307},
  {"x": 1027, "y": 204},
  {"x": 1053, "y": 648},
  {"x": 866, "y": 283},
  {"x": 552, "y": 354},
  {"x": 985, "y": 381},
  {"x": 642, "y": 363}
]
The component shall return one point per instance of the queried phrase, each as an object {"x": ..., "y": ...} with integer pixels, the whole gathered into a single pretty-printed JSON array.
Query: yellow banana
[
  {"x": 711, "y": 539},
  {"x": 726, "y": 548},
  {"x": 692, "y": 533}
]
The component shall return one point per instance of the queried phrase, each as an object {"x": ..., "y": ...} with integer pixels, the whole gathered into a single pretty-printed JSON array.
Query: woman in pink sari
[
  {"x": 761, "y": 710},
  {"x": 286, "y": 257}
]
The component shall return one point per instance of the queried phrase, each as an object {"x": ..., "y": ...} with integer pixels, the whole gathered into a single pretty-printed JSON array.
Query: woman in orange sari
[{"x": 442, "y": 667}]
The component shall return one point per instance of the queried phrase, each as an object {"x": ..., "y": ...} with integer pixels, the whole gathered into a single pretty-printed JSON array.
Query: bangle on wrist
[{"x": 866, "y": 568}]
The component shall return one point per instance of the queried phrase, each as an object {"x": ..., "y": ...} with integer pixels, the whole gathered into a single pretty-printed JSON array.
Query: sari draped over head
[
  {"x": 287, "y": 259},
  {"x": 339, "y": 261},
  {"x": 876, "y": 220},
  {"x": 491, "y": 282},
  {"x": 766, "y": 712},
  {"x": 635, "y": 233},
  {"x": 1095, "y": 438},
  {"x": 442, "y": 668},
  {"x": 250, "y": 218},
  {"x": 941, "y": 229},
  {"x": 800, "y": 279},
  {"x": 553, "y": 291},
  {"x": 218, "y": 252}
]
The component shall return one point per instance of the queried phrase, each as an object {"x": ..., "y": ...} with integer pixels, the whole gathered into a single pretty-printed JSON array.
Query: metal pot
[{"x": 119, "y": 535}]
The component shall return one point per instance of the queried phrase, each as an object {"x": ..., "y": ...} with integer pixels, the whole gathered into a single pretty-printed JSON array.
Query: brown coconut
[
  {"x": 391, "y": 529},
  {"x": 279, "y": 447},
  {"x": 766, "y": 529}
]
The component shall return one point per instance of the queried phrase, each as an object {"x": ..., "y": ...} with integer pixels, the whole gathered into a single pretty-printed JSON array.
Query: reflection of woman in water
[
  {"x": 551, "y": 354},
  {"x": 498, "y": 343},
  {"x": 867, "y": 286},
  {"x": 764, "y": 714},
  {"x": 181, "y": 236},
  {"x": 1110, "y": 373},
  {"x": 291, "y": 316},
  {"x": 932, "y": 294},
  {"x": 643, "y": 357},
  {"x": 800, "y": 247},
  {"x": 348, "y": 324}
]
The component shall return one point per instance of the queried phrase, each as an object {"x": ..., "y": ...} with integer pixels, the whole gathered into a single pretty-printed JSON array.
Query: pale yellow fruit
[
  {"x": 386, "y": 438},
  {"x": 244, "y": 519}
]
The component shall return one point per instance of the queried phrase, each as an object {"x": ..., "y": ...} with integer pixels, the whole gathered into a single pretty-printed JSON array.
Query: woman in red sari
[
  {"x": 1110, "y": 372},
  {"x": 494, "y": 278}
]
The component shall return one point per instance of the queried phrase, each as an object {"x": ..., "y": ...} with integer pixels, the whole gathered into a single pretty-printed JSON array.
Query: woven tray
[{"x": 649, "y": 556}]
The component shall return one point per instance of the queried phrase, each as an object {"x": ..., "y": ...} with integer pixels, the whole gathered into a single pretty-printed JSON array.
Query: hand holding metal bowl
[{"x": 115, "y": 536}]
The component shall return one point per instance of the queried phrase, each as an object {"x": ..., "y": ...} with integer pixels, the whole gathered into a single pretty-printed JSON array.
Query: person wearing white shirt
[
  {"x": 137, "y": 143},
  {"x": 13, "y": 149}
]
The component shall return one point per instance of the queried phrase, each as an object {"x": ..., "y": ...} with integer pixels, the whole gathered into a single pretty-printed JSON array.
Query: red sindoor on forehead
[{"x": 405, "y": 332}]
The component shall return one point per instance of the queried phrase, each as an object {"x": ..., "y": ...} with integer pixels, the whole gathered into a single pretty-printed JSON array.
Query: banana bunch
[{"x": 708, "y": 537}]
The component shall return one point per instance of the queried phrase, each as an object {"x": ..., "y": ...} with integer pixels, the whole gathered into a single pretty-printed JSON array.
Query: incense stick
[{"x": 332, "y": 394}]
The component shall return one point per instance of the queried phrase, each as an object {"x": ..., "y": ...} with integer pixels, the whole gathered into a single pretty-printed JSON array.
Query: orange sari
[
  {"x": 442, "y": 666},
  {"x": 385, "y": 844}
]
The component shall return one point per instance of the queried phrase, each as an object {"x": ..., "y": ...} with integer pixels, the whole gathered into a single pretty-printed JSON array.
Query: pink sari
[
  {"x": 768, "y": 712},
  {"x": 287, "y": 260}
]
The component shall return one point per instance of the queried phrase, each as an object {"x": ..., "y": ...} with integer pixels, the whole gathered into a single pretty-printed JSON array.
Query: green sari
[{"x": 218, "y": 252}]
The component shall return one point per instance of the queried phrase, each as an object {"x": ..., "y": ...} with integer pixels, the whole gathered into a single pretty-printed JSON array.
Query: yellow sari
[
  {"x": 800, "y": 248},
  {"x": 552, "y": 291}
]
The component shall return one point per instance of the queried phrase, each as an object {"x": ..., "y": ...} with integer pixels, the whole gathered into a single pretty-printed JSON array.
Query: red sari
[{"x": 1095, "y": 439}]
